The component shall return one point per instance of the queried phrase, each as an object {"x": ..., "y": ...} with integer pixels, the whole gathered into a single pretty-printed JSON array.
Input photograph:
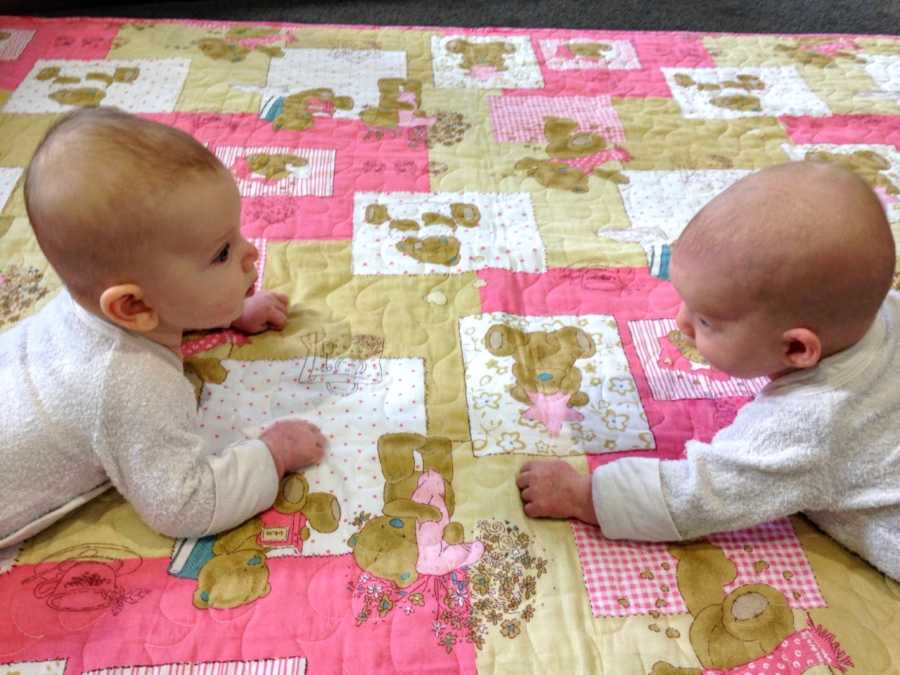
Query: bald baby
[
  {"x": 95, "y": 192},
  {"x": 807, "y": 241}
]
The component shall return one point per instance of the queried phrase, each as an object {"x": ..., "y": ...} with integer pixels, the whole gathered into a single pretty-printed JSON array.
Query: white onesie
[
  {"x": 90, "y": 406},
  {"x": 824, "y": 441}
]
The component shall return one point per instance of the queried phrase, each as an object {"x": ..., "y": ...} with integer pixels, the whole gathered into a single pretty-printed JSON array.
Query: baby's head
[
  {"x": 140, "y": 221},
  {"x": 786, "y": 267}
]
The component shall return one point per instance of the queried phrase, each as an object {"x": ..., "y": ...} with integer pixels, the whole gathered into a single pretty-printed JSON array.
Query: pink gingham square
[
  {"x": 627, "y": 578},
  {"x": 771, "y": 554},
  {"x": 520, "y": 119}
]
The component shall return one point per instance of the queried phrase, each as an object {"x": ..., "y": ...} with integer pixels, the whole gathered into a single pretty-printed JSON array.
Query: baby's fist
[
  {"x": 263, "y": 310},
  {"x": 294, "y": 444}
]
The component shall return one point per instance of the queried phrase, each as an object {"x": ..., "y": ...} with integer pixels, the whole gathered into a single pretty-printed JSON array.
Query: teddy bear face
[
  {"x": 749, "y": 624},
  {"x": 544, "y": 362},
  {"x": 387, "y": 547},
  {"x": 232, "y": 580},
  {"x": 274, "y": 167},
  {"x": 297, "y": 109},
  {"x": 217, "y": 48},
  {"x": 589, "y": 50},
  {"x": 291, "y": 493},
  {"x": 758, "y": 612},
  {"x": 553, "y": 174},
  {"x": 490, "y": 54},
  {"x": 866, "y": 163},
  {"x": 322, "y": 510},
  {"x": 564, "y": 141},
  {"x": 435, "y": 250}
]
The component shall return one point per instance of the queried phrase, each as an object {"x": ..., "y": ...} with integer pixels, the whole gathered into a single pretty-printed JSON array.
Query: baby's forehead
[{"x": 201, "y": 213}]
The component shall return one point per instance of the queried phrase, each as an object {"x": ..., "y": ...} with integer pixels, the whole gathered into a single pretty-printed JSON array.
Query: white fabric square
[
  {"x": 520, "y": 69},
  {"x": 49, "y": 667},
  {"x": 9, "y": 176},
  {"x": 613, "y": 419},
  {"x": 155, "y": 89},
  {"x": 784, "y": 92},
  {"x": 619, "y": 55},
  {"x": 506, "y": 235},
  {"x": 887, "y": 192},
  {"x": 353, "y": 402},
  {"x": 884, "y": 69},
  {"x": 660, "y": 204},
  {"x": 13, "y": 42},
  {"x": 347, "y": 72}
]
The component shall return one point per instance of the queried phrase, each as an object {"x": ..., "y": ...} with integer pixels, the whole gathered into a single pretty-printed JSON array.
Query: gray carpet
[{"x": 743, "y": 16}]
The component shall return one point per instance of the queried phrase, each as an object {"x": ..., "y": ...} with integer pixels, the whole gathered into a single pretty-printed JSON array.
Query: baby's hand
[
  {"x": 294, "y": 444},
  {"x": 263, "y": 310}
]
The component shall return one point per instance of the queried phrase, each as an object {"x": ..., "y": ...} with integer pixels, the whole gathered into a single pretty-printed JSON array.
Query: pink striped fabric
[
  {"x": 286, "y": 666},
  {"x": 520, "y": 119},
  {"x": 317, "y": 180},
  {"x": 261, "y": 245},
  {"x": 667, "y": 384},
  {"x": 11, "y": 48}
]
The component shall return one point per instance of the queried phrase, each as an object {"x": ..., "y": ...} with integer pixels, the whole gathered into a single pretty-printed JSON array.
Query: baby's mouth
[{"x": 250, "y": 291}]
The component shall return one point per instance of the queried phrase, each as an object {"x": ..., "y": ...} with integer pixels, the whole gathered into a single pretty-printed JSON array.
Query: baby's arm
[
  {"x": 148, "y": 443},
  {"x": 752, "y": 472}
]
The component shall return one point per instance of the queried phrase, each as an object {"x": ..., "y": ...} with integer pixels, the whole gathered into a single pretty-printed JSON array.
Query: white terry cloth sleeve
[
  {"x": 149, "y": 443},
  {"x": 243, "y": 485},
  {"x": 629, "y": 502}
]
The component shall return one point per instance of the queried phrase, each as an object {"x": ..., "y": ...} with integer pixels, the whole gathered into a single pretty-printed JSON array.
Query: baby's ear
[
  {"x": 802, "y": 348},
  {"x": 124, "y": 306}
]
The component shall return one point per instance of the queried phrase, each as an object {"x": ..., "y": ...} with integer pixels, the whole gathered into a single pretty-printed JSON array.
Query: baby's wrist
[{"x": 280, "y": 468}]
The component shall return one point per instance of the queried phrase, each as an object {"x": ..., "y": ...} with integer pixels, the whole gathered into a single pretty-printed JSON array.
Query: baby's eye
[
  {"x": 222, "y": 256},
  {"x": 703, "y": 322}
]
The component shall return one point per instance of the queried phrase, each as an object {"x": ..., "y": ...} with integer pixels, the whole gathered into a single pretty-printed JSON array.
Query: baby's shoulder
[{"x": 140, "y": 366}]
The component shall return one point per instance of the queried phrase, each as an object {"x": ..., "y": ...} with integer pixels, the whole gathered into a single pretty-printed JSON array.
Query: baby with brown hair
[
  {"x": 786, "y": 274},
  {"x": 142, "y": 224}
]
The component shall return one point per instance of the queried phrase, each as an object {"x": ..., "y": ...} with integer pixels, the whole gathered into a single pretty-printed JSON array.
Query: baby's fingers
[
  {"x": 276, "y": 318},
  {"x": 282, "y": 300}
]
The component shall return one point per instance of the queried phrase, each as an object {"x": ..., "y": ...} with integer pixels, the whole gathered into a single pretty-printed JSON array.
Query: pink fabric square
[
  {"x": 154, "y": 621},
  {"x": 520, "y": 119},
  {"x": 653, "y": 51},
  {"x": 771, "y": 554},
  {"x": 362, "y": 163},
  {"x": 626, "y": 578},
  {"x": 843, "y": 129},
  {"x": 83, "y": 39},
  {"x": 674, "y": 383}
]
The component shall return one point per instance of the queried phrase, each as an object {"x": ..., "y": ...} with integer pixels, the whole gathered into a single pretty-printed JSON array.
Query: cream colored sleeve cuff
[
  {"x": 246, "y": 483},
  {"x": 629, "y": 503}
]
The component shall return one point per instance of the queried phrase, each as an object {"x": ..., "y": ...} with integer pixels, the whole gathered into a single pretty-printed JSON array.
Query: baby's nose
[
  {"x": 250, "y": 257},
  {"x": 682, "y": 322}
]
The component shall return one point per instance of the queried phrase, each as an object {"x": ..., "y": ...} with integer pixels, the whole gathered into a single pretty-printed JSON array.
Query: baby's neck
[{"x": 168, "y": 338}]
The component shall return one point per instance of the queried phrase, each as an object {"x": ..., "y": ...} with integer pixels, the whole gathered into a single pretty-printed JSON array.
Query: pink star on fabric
[{"x": 552, "y": 410}]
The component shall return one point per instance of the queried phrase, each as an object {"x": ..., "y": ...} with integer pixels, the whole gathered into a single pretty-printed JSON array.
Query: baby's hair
[
  {"x": 810, "y": 240},
  {"x": 94, "y": 188}
]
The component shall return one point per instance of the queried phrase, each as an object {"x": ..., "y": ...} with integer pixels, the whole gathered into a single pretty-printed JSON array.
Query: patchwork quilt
[{"x": 474, "y": 229}]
